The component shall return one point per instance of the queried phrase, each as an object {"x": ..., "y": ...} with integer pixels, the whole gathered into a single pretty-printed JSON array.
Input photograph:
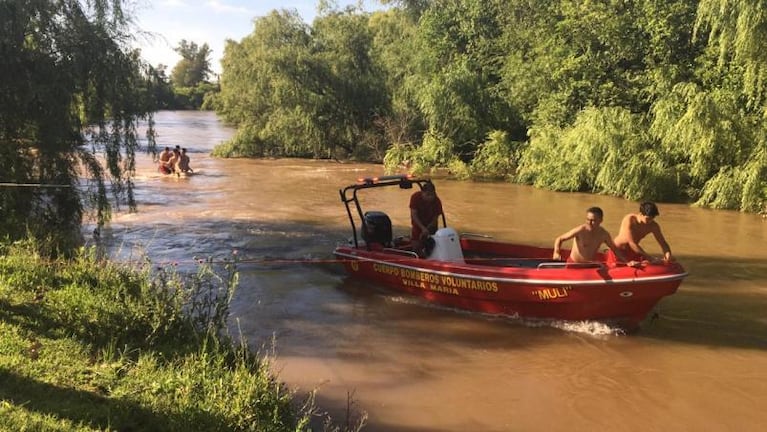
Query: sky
[{"x": 161, "y": 24}]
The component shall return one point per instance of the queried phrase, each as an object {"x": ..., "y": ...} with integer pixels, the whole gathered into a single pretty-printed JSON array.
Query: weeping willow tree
[
  {"x": 737, "y": 30},
  {"x": 643, "y": 99},
  {"x": 497, "y": 158},
  {"x": 457, "y": 82},
  {"x": 720, "y": 151},
  {"x": 72, "y": 96},
  {"x": 606, "y": 150},
  {"x": 434, "y": 152},
  {"x": 262, "y": 91},
  {"x": 679, "y": 116},
  {"x": 302, "y": 91}
]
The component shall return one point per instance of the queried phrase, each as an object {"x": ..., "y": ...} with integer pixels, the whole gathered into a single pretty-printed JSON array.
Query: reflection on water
[{"x": 699, "y": 366}]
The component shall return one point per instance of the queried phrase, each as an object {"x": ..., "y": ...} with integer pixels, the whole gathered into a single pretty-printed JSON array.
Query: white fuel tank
[{"x": 447, "y": 246}]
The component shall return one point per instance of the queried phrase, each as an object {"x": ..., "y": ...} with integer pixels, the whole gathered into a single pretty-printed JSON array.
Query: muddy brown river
[{"x": 701, "y": 365}]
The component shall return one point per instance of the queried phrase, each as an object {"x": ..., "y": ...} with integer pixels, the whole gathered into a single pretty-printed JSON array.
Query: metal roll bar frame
[{"x": 403, "y": 181}]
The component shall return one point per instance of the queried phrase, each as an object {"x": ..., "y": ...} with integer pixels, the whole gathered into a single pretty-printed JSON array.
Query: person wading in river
[
  {"x": 183, "y": 163},
  {"x": 165, "y": 157}
]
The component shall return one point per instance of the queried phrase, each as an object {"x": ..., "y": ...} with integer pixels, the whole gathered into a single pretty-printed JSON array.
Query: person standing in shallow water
[
  {"x": 165, "y": 157},
  {"x": 635, "y": 227},
  {"x": 588, "y": 237},
  {"x": 183, "y": 162}
]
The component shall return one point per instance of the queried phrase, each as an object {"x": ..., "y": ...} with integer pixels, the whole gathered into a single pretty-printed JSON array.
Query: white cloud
[
  {"x": 222, "y": 7},
  {"x": 206, "y": 21},
  {"x": 173, "y": 3}
]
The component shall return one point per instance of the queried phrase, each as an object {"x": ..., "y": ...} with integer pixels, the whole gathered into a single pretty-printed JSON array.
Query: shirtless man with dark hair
[
  {"x": 588, "y": 237},
  {"x": 635, "y": 227},
  {"x": 183, "y": 163}
]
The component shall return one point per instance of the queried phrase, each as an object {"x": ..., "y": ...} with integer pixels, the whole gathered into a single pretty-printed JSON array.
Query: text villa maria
[{"x": 441, "y": 283}]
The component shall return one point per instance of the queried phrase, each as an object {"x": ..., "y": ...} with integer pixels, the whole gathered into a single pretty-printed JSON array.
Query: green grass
[{"x": 88, "y": 344}]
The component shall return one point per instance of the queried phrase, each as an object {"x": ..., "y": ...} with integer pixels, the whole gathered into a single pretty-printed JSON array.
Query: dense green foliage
[
  {"x": 300, "y": 92},
  {"x": 194, "y": 66},
  {"x": 72, "y": 96},
  {"x": 189, "y": 86},
  {"x": 92, "y": 345},
  {"x": 648, "y": 99}
]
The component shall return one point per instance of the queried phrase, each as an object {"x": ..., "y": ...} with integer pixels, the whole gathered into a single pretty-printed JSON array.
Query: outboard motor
[
  {"x": 447, "y": 246},
  {"x": 377, "y": 228}
]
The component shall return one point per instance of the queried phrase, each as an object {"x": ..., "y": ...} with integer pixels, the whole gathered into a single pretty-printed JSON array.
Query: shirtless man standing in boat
[
  {"x": 635, "y": 227},
  {"x": 588, "y": 237}
]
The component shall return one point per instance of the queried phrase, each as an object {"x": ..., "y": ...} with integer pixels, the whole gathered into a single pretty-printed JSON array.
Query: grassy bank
[{"x": 87, "y": 344}]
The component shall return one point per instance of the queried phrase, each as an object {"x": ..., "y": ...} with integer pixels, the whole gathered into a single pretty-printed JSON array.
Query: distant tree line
[
  {"x": 189, "y": 82},
  {"x": 644, "y": 99}
]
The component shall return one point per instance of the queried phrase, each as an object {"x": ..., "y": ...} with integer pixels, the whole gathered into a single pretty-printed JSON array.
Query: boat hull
[{"x": 619, "y": 295}]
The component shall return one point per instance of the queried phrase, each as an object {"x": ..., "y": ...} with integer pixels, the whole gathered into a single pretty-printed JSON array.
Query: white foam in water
[{"x": 593, "y": 328}]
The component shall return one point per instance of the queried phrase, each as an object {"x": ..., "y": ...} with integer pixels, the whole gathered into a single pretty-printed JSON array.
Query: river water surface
[{"x": 701, "y": 365}]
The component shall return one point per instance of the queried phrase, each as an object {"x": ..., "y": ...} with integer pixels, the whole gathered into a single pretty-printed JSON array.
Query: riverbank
[{"x": 88, "y": 344}]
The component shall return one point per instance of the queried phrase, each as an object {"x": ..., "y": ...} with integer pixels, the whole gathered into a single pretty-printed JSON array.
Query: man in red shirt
[{"x": 425, "y": 209}]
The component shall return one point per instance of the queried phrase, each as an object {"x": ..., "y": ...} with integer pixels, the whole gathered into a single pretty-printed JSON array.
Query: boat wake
[{"x": 591, "y": 328}]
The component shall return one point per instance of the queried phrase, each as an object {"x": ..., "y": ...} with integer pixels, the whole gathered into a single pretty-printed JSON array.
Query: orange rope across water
[
  {"x": 302, "y": 261},
  {"x": 39, "y": 185},
  {"x": 311, "y": 261}
]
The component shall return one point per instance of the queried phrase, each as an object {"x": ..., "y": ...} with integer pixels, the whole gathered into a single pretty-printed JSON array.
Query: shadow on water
[
  {"x": 721, "y": 273},
  {"x": 721, "y": 304}
]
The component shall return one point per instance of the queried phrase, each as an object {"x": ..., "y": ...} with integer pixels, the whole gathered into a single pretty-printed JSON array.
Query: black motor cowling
[{"x": 377, "y": 228}]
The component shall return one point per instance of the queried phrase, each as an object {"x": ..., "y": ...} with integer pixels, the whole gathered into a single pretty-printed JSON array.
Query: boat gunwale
[{"x": 555, "y": 282}]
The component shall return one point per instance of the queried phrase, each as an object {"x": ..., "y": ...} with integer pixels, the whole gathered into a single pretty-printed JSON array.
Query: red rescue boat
[{"x": 479, "y": 274}]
